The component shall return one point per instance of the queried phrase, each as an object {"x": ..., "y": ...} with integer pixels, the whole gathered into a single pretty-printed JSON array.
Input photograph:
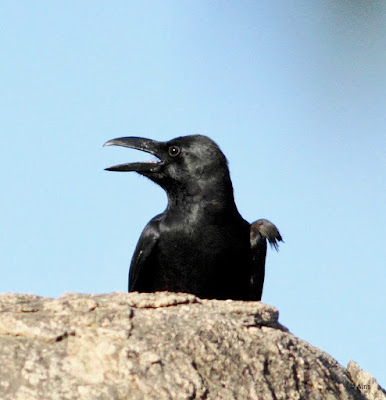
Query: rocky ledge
[{"x": 162, "y": 346}]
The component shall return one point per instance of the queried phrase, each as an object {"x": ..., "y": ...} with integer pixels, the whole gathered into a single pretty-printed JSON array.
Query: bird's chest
[
  {"x": 207, "y": 258},
  {"x": 201, "y": 241}
]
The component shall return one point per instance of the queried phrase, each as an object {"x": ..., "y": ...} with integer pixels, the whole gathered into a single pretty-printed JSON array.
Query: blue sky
[{"x": 293, "y": 92}]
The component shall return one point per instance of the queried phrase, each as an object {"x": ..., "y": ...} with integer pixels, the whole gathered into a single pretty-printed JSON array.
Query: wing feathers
[
  {"x": 268, "y": 231},
  {"x": 141, "y": 264},
  {"x": 261, "y": 231}
]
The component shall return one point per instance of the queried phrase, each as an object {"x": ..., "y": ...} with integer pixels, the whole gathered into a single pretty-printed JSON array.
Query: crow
[{"x": 200, "y": 244}]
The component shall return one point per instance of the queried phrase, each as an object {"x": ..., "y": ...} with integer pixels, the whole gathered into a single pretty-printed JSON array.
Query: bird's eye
[{"x": 174, "y": 151}]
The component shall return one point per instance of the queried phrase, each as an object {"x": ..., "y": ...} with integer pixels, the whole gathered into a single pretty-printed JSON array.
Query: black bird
[{"x": 200, "y": 244}]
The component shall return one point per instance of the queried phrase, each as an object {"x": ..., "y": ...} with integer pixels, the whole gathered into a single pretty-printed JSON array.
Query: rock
[
  {"x": 365, "y": 383},
  {"x": 158, "y": 346}
]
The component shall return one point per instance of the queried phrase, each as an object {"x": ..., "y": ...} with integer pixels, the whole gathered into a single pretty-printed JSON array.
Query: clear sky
[{"x": 293, "y": 92}]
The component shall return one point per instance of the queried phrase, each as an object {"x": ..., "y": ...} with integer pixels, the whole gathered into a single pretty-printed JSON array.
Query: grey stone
[{"x": 158, "y": 346}]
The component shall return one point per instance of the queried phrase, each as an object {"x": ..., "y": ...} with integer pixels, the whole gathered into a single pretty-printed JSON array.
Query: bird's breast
[{"x": 204, "y": 257}]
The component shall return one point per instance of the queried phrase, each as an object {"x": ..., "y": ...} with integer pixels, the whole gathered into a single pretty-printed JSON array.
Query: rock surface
[
  {"x": 365, "y": 383},
  {"x": 159, "y": 346}
]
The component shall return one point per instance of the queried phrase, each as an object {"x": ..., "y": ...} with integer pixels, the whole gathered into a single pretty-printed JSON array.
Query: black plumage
[{"x": 200, "y": 244}]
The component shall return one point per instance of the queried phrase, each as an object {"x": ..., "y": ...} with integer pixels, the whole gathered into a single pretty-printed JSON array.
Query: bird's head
[{"x": 188, "y": 165}]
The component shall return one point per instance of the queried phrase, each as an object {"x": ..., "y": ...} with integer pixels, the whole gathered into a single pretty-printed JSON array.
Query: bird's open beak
[{"x": 148, "y": 145}]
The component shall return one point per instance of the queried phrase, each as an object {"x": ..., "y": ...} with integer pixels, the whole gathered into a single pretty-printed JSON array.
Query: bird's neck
[{"x": 209, "y": 198}]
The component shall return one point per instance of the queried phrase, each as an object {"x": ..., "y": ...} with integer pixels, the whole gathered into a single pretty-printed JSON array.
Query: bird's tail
[{"x": 269, "y": 231}]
